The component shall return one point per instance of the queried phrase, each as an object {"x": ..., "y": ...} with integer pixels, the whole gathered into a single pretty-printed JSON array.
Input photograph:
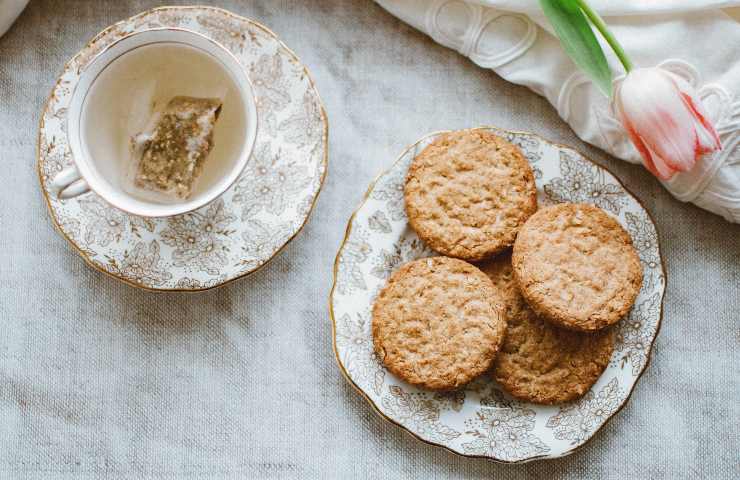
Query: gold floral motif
[
  {"x": 584, "y": 183},
  {"x": 360, "y": 357},
  {"x": 301, "y": 128},
  {"x": 209, "y": 247},
  {"x": 390, "y": 190},
  {"x": 407, "y": 249},
  {"x": 636, "y": 332},
  {"x": 378, "y": 222},
  {"x": 480, "y": 420},
  {"x": 353, "y": 254},
  {"x": 577, "y": 421},
  {"x": 143, "y": 266},
  {"x": 200, "y": 239},
  {"x": 645, "y": 239},
  {"x": 270, "y": 183},
  {"x": 103, "y": 224},
  {"x": 417, "y": 411},
  {"x": 505, "y": 433},
  {"x": 271, "y": 89}
]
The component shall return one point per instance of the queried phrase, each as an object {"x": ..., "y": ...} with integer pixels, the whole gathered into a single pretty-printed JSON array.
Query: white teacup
[{"x": 113, "y": 100}]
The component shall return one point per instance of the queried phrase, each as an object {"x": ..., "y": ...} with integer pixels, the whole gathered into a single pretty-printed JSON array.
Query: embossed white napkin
[{"x": 697, "y": 39}]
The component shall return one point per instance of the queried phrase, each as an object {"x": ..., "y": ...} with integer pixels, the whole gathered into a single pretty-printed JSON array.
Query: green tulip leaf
[{"x": 579, "y": 41}]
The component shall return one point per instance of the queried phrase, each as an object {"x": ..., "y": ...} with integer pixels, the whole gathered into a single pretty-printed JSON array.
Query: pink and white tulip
[{"x": 665, "y": 120}]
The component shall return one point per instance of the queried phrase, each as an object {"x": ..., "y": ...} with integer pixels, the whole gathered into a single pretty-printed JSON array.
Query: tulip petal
[
  {"x": 703, "y": 144},
  {"x": 665, "y": 171},
  {"x": 640, "y": 145},
  {"x": 651, "y": 102},
  {"x": 665, "y": 119},
  {"x": 692, "y": 102}
]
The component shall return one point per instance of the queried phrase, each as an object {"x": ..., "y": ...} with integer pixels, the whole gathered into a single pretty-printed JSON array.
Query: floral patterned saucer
[
  {"x": 481, "y": 420},
  {"x": 248, "y": 225}
]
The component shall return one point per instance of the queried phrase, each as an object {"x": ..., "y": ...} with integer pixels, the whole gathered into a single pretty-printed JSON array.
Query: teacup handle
[{"x": 69, "y": 184}]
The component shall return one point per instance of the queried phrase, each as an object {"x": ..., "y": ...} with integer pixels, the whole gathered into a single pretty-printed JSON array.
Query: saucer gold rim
[
  {"x": 374, "y": 405},
  {"x": 324, "y": 139}
]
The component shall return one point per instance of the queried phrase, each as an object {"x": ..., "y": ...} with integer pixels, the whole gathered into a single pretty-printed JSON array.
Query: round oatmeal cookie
[
  {"x": 468, "y": 193},
  {"x": 539, "y": 362},
  {"x": 575, "y": 265},
  {"x": 435, "y": 324}
]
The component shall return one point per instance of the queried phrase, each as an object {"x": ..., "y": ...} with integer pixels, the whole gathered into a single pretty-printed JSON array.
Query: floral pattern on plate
[
  {"x": 481, "y": 420},
  {"x": 243, "y": 229}
]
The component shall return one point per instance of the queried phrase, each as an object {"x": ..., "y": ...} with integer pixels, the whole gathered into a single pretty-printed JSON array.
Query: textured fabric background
[{"x": 99, "y": 380}]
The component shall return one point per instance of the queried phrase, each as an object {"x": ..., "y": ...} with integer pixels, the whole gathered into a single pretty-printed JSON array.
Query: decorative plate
[
  {"x": 481, "y": 420},
  {"x": 250, "y": 223}
]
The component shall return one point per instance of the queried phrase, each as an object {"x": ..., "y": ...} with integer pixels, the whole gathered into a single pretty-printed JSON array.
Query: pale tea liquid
[{"x": 127, "y": 94}]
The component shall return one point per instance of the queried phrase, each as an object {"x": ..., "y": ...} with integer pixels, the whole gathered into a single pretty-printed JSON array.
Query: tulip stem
[{"x": 604, "y": 30}]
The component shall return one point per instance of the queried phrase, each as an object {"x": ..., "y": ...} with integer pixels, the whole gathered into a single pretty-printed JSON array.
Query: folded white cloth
[
  {"x": 9, "y": 11},
  {"x": 697, "y": 39}
]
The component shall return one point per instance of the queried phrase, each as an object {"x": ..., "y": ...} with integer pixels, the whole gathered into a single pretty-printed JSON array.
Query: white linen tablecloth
[{"x": 100, "y": 380}]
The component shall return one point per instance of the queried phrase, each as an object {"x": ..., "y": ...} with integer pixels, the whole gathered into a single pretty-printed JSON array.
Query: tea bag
[{"x": 170, "y": 154}]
